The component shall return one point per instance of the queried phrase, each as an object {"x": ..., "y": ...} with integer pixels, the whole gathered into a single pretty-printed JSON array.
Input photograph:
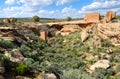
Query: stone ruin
[
  {"x": 43, "y": 35},
  {"x": 95, "y": 17},
  {"x": 8, "y": 20},
  {"x": 109, "y": 16},
  {"x": 92, "y": 17}
]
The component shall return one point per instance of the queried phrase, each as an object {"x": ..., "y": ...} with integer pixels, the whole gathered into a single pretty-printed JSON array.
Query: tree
[
  {"x": 36, "y": 18},
  {"x": 69, "y": 18}
]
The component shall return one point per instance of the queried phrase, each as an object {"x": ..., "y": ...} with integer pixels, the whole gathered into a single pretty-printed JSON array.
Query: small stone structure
[
  {"x": 43, "y": 35},
  {"x": 8, "y": 20},
  {"x": 92, "y": 17},
  {"x": 110, "y": 15},
  {"x": 11, "y": 20}
]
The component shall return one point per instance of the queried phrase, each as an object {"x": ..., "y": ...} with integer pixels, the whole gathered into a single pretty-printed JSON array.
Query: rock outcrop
[
  {"x": 110, "y": 31},
  {"x": 48, "y": 76}
]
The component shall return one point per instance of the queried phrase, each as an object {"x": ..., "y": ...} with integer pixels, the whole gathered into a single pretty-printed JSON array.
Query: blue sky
[{"x": 56, "y": 8}]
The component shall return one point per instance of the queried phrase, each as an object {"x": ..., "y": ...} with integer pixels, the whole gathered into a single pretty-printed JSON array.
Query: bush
[
  {"x": 76, "y": 74},
  {"x": 36, "y": 18},
  {"x": 118, "y": 68},
  {"x": 105, "y": 43},
  {"x": 2, "y": 56},
  {"x": 21, "y": 68},
  {"x": 101, "y": 73},
  {"x": 69, "y": 19},
  {"x": 6, "y": 44}
]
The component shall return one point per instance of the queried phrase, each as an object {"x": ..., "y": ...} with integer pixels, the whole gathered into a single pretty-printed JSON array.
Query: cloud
[
  {"x": 61, "y": 2},
  {"x": 9, "y": 1},
  {"x": 29, "y": 8},
  {"x": 102, "y": 6},
  {"x": 36, "y": 3},
  {"x": 69, "y": 11}
]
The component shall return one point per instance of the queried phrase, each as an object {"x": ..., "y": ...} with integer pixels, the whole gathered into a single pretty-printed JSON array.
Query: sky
[{"x": 56, "y": 8}]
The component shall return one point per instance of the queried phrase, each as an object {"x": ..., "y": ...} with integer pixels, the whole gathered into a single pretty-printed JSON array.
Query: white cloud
[
  {"x": 103, "y": 4},
  {"x": 29, "y": 8},
  {"x": 61, "y": 2},
  {"x": 70, "y": 11},
  {"x": 36, "y": 3},
  {"x": 10, "y": 1}
]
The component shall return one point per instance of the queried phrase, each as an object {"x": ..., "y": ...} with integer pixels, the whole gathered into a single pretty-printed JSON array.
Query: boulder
[
  {"x": 57, "y": 32},
  {"x": 15, "y": 56},
  {"x": 48, "y": 76},
  {"x": 84, "y": 35},
  {"x": 100, "y": 64}
]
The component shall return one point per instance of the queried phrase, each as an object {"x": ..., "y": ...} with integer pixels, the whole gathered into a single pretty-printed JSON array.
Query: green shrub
[
  {"x": 76, "y": 74},
  {"x": 6, "y": 44},
  {"x": 101, "y": 73},
  {"x": 118, "y": 76},
  {"x": 105, "y": 43},
  {"x": 36, "y": 18},
  {"x": 21, "y": 68},
  {"x": 68, "y": 18},
  {"x": 118, "y": 68},
  {"x": 3, "y": 57},
  {"x": 25, "y": 50}
]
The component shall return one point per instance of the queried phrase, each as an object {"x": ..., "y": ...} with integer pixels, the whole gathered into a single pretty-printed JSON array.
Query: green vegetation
[
  {"x": 3, "y": 57},
  {"x": 118, "y": 69},
  {"x": 36, "y": 18},
  {"x": 69, "y": 19},
  {"x": 76, "y": 74},
  {"x": 101, "y": 73},
  {"x": 66, "y": 56},
  {"x": 42, "y": 20},
  {"x": 6, "y": 44},
  {"x": 21, "y": 68}
]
